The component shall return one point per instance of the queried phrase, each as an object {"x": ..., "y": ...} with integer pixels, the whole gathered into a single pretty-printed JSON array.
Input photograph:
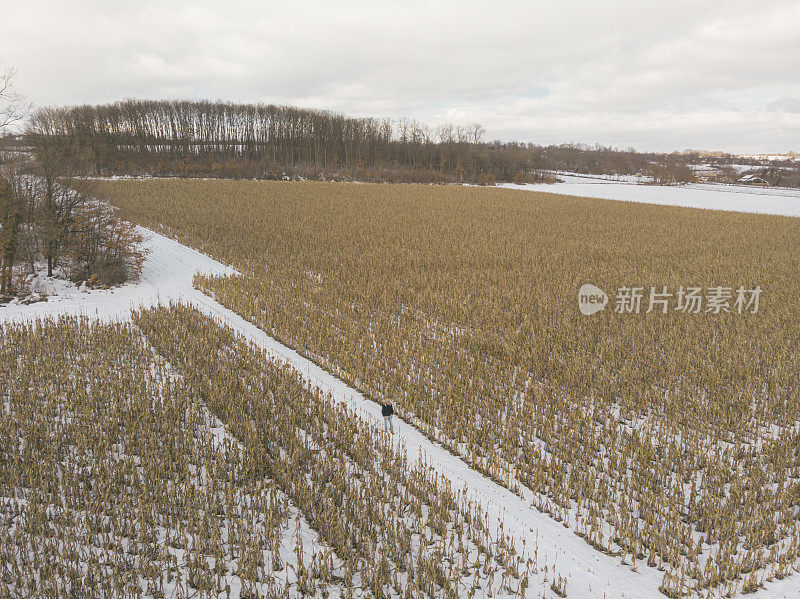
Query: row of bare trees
[
  {"x": 49, "y": 218},
  {"x": 222, "y": 139}
]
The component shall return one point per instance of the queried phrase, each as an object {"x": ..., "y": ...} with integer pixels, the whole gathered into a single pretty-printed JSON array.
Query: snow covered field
[
  {"x": 737, "y": 198},
  {"x": 168, "y": 274}
]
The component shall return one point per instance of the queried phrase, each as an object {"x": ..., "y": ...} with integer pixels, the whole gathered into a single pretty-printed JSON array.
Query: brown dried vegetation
[{"x": 667, "y": 439}]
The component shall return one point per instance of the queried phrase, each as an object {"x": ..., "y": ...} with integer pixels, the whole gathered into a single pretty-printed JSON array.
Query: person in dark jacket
[{"x": 386, "y": 411}]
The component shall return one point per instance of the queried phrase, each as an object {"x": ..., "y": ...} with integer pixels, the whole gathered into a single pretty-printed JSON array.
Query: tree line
[{"x": 223, "y": 139}]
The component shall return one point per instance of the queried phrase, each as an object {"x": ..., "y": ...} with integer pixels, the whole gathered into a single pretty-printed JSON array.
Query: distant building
[
  {"x": 706, "y": 173},
  {"x": 753, "y": 180}
]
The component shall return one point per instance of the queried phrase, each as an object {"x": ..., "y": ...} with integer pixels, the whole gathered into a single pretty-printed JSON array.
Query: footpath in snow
[{"x": 168, "y": 274}]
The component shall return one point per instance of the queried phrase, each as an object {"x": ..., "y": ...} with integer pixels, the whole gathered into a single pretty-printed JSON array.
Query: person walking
[{"x": 386, "y": 411}]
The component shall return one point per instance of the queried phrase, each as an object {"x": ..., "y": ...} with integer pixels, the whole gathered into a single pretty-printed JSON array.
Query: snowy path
[{"x": 168, "y": 275}]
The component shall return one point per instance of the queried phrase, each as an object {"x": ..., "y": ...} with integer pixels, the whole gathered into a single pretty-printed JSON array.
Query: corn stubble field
[
  {"x": 165, "y": 486},
  {"x": 667, "y": 440}
]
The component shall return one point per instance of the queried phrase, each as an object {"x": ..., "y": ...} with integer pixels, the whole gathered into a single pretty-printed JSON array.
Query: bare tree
[
  {"x": 61, "y": 192},
  {"x": 13, "y": 106},
  {"x": 12, "y": 109},
  {"x": 475, "y": 132},
  {"x": 104, "y": 249},
  {"x": 10, "y": 222}
]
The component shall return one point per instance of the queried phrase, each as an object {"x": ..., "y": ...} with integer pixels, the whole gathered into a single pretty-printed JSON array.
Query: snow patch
[
  {"x": 168, "y": 274},
  {"x": 736, "y": 198}
]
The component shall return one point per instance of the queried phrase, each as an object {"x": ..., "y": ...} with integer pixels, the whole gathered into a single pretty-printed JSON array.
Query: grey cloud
[
  {"x": 785, "y": 105},
  {"x": 630, "y": 64}
]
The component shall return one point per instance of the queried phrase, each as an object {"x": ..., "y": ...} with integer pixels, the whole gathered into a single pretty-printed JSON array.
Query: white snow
[
  {"x": 168, "y": 274},
  {"x": 739, "y": 168},
  {"x": 736, "y": 198}
]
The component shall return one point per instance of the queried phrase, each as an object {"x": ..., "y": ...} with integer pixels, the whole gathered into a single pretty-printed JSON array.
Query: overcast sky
[{"x": 701, "y": 74}]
